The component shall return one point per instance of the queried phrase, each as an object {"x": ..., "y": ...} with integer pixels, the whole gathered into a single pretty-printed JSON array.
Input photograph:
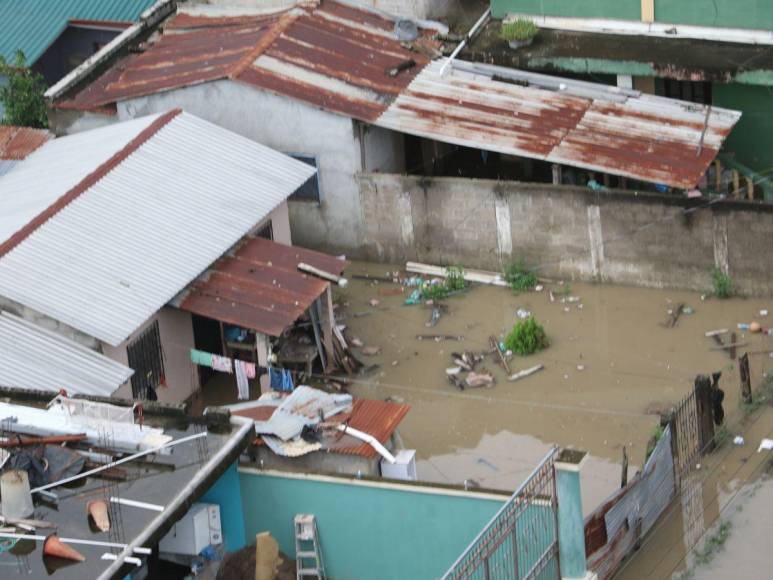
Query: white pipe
[
  {"x": 137, "y": 549},
  {"x": 370, "y": 440},
  {"x": 138, "y": 504},
  {"x": 119, "y": 462},
  {"x": 340, "y": 280},
  {"x": 128, "y": 559},
  {"x": 473, "y": 31}
]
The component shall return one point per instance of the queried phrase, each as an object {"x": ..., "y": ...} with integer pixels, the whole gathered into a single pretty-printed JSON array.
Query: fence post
[
  {"x": 746, "y": 380},
  {"x": 624, "y": 475},
  {"x": 704, "y": 408},
  {"x": 571, "y": 529}
]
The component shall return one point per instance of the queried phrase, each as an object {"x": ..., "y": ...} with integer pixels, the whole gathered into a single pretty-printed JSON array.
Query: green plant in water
[
  {"x": 723, "y": 284},
  {"x": 527, "y": 337},
  {"x": 453, "y": 282},
  {"x": 519, "y": 277},
  {"x": 519, "y": 30},
  {"x": 455, "y": 279}
]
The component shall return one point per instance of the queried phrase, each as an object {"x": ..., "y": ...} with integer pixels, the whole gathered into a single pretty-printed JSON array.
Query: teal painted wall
[
  {"x": 571, "y": 530},
  {"x": 226, "y": 492},
  {"x": 626, "y": 9},
  {"x": 725, "y": 13},
  {"x": 751, "y": 141},
  {"x": 368, "y": 531}
]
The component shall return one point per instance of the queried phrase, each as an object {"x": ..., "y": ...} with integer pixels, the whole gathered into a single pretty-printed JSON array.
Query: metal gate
[
  {"x": 686, "y": 442},
  {"x": 521, "y": 540}
]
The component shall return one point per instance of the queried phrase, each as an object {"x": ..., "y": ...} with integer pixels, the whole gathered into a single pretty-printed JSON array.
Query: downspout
[
  {"x": 180, "y": 503},
  {"x": 370, "y": 440}
]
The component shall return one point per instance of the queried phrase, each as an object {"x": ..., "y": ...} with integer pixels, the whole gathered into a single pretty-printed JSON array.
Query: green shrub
[
  {"x": 519, "y": 277},
  {"x": 527, "y": 337},
  {"x": 723, "y": 284},
  {"x": 520, "y": 29},
  {"x": 453, "y": 282},
  {"x": 455, "y": 278},
  {"x": 22, "y": 94}
]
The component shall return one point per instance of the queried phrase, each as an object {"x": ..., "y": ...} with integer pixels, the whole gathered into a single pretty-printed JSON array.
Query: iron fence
[{"x": 521, "y": 540}]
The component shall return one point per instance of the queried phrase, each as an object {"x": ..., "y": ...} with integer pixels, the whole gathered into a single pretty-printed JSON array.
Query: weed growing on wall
[
  {"x": 723, "y": 284},
  {"x": 519, "y": 277}
]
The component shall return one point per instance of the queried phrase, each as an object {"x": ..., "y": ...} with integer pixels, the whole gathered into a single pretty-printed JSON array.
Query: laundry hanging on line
[
  {"x": 221, "y": 363},
  {"x": 281, "y": 379}
]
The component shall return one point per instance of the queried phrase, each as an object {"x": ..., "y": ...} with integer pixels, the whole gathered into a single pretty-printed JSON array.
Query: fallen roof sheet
[
  {"x": 259, "y": 286},
  {"x": 643, "y": 137},
  {"x": 377, "y": 418},
  {"x": 38, "y": 359},
  {"x": 338, "y": 58},
  {"x": 101, "y": 229},
  {"x": 32, "y": 25},
  {"x": 18, "y": 142}
]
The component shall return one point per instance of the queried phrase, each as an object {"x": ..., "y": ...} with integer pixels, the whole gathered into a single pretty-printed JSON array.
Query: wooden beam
[{"x": 648, "y": 10}]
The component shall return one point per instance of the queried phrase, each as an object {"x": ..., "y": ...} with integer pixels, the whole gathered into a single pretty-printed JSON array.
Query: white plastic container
[{"x": 15, "y": 496}]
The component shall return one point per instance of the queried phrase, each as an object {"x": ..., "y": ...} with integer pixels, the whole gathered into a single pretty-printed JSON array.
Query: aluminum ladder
[{"x": 308, "y": 556}]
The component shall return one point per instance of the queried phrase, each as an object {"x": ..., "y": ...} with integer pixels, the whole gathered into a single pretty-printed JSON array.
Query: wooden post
[
  {"x": 749, "y": 188},
  {"x": 704, "y": 408},
  {"x": 746, "y": 380},
  {"x": 718, "y": 174},
  {"x": 736, "y": 183},
  {"x": 328, "y": 331},
  {"x": 557, "y": 176},
  {"x": 624, "y": 475}
]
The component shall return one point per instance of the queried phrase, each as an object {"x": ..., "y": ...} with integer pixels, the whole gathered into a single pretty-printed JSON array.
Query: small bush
[
  {"x": 454, "y": 281},
  {"x": 723, "y": 284},
  {"x": 527, "y": 337},
  {"x": 519, "y": 277},
  {"x": 520, "y": 29}
]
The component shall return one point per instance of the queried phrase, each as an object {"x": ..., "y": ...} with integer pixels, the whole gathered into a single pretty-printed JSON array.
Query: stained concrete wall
[{"x": 569, "y": 232}]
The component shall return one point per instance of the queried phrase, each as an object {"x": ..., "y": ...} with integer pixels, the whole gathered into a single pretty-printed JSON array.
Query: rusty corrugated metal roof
[
  {"x": 260, "y": 286},
  {"x": 377, "y": 418},
  {"x": 643, "y": 137},
  {"x": 18, "y": 142},
  {"x": 336, "y": 57}
]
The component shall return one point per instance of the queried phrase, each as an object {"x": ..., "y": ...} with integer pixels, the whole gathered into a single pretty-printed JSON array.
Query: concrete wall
[
  {"x": 290, "y": 126},
  {"x": 368, "y": 529},
  {"x": 756, "y": 14},
  {"x": 408, "y": 8},
  {"x": 569, "y": 232},
  {"x": 176, "y": 329}
]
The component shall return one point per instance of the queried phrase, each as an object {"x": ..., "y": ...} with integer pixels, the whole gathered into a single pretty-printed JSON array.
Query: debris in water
[
  {"x": 755, "y": 327},
  {"x": 439, "y": 337},
  {"x": 371, "y": 350},
  {"x": 434, "y": 317},
  {"x": 571, "y": 299},
  {"x": 356, "y": 342},
  {"x": 738, "y": 440},
  {"x": 566, "y": 309},
  {"x": 373, "y": 302},
  {"x": 525, "y": 373},
  {"x": 539, "y": 288},
  {"x": 711, "y": 333},
  {"x": 522, "y": 313},
  {"x": 580, "y": 367},
  {"x": 765, "y": 445},
  {"x": 673, "y": 315},
  {"x": 394, "y": 363},
  {"x": 475, "y": 380},
  {"x": 453, "y": 370},
  {"x": 688, "y": 310},
  {"x": 763, "y": 312}
]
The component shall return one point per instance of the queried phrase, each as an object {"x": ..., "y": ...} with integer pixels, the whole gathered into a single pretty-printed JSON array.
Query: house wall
[
  {"x": 409, "y": 8},
  {"x": 368, "y": 529},
  {"x": 569, "y": 232},
  {"x": 290, "y": 126},
  {"x": 756, "y": 14},
  {"x": 176, "y": 329},
  {"x": 70, "y": 49}
]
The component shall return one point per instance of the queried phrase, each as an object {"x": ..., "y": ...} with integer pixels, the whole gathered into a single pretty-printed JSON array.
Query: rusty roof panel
[
  {"x": 639, "y": 136},
  {"x": 18, "y": 142},
  {"x": 260, "y": 286}
]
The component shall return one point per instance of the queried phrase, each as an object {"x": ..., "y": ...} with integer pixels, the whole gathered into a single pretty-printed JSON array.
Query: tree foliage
[{"x": 22, "y": 95}]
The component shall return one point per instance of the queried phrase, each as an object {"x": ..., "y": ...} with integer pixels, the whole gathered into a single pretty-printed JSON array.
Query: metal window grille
[{"x": 146, "y": 357}]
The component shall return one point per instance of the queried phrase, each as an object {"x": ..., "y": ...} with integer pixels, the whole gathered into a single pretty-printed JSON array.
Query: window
[
  {"x": 694, "y": 91},
  {"x": 147, "y": 359},
  {"x": 309, "y": 191}
]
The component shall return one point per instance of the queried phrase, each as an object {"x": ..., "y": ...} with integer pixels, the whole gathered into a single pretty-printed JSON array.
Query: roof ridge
[
  {"x": 92, "y": 178},
  {"x": 264, "y": 43}
]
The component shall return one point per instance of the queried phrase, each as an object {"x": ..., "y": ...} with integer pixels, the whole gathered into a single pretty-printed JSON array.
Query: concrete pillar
[
  {"x": 571, "y": 529},
  {"x": 721, "y": 254},
  {"x": 648, "y": 10},
  {"x": 595, "y": 241},
  {"x": 261, "y": 348}
]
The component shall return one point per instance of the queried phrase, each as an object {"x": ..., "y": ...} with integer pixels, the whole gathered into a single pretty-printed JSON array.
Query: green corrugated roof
[{"x": 32, "y": 25}]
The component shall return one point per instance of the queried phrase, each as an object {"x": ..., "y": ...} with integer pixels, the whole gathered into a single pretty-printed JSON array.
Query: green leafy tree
[{"x": 22, "y": 96}]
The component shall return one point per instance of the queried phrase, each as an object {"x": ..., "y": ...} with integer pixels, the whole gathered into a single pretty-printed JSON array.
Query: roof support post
[{"x": 648, "y": 10}]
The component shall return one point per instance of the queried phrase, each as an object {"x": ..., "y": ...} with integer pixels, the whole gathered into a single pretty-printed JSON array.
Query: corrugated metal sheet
[
  {"x": 6, "y": 166},
  {"x": 151, "y": 223},
  {"x": 16, "y": 143},
  {"x": 260, "y": 287},
  {"x": 35, "y": 358},
  {"x": 649, "y": 138},
  {"x": 32, "y": 25}
]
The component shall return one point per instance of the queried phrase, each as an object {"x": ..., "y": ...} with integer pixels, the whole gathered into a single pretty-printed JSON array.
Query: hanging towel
[
  {"x": 222, "y": 364},
  {"x": 201, "y": 358},
  {"x": 249, "y": 368},
  {"x": 242, "y": 385},
  {"x": 281, "y": 379}
]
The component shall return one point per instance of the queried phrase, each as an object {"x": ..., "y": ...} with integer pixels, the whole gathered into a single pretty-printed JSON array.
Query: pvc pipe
[
  {"x": 138, "y": 504},
  {"x": 473, "y": 31},
  {"x": 340, "y": 280},
  {"x": 119, "y": 462},
  {"x": 369, "y": 439},
  {"x": 137, "y": 549},
  {"x": 127, "y": 559}
]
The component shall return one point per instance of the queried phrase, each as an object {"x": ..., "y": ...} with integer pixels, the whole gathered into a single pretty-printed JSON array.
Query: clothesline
[{"x": 280, "y": 379}]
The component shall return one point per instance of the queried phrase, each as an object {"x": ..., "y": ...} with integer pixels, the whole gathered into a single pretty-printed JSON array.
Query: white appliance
[
  {"x": 199, "y": 528},
  {"x": 403, "y": 468}
]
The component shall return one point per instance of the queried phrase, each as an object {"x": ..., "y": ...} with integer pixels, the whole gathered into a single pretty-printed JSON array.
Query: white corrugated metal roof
[
  {"x": 57, "y": 167},
  {"x": 35, "y": 358},
  {"x": 122, "y": 249}
]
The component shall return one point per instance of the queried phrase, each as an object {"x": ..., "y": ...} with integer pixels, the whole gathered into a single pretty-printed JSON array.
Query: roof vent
[{"x": 406, "y": 30}]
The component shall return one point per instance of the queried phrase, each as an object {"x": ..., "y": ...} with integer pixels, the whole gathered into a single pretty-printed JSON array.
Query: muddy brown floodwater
[{"x": 611, "y": 367}]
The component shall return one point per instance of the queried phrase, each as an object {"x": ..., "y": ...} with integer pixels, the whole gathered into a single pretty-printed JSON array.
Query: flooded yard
[{"x": 611, "y": 367}]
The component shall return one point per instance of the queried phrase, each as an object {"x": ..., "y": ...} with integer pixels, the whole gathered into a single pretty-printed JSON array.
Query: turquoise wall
[
  {"x": 626, "y": 9},
  {"x": 725, "y": 13},
  {"x": 226, "y": 492},
  {"x": 368, "y": 530},
  {"x": 751, "y": 141}
]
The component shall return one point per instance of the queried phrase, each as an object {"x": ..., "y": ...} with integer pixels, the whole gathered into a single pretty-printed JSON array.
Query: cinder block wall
[{"x": 571, "y": 232}]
